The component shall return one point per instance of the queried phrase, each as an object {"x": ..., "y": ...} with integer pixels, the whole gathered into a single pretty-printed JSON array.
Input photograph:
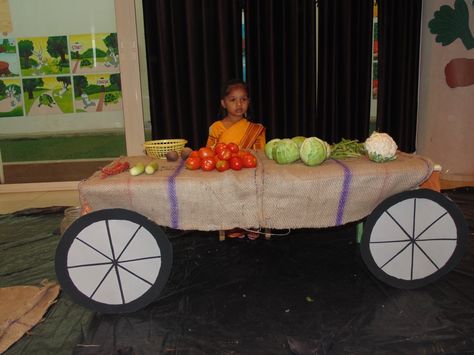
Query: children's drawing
[
  {"x": 86, "y": 101},
  {"x": 41, "y": 56},
  {"x": 97, "y": 92},
  {"x": 94, "y": 53},
  {"x": 40, "y": 63},
  {"x": 450, "y": 24},
  {"x": 9, "y": 65},
  {"x": 48, "y": 95},
  {"x": 11, "y": 103}
]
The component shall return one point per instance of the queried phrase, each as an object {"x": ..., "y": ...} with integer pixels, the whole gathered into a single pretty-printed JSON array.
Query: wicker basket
[{"x": 159, "y": 148}]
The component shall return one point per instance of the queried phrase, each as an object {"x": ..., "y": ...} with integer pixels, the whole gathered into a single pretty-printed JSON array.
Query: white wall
[{"x": 445, "y": 131}]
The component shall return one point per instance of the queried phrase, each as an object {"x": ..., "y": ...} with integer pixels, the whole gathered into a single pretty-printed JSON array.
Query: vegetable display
[
  {"x": 151, "y": 168},
  {"x": 313, "y": 151},
  {"x": 298, "y": 140},
  {"x": 380, "y": 147},
  {"x": 222, "y": 157},
  {"x": 285, "y": 151},
  {"x": 269, "y": 147},
  {"x": 114, "y": 168},
  {"x": 140, "y": 168},
  {"x": 347, "y": 148},
  {"x": 137, "y": 169}
]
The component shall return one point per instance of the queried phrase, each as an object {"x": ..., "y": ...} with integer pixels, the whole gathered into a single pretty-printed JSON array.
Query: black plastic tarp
[{"x": 308, "y": 292}]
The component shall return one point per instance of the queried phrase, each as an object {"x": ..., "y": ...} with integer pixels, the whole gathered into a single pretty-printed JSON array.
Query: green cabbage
[
  {"x": 285, "y": 151},
  {"x": 313, "y": 151},
  {"x": 298, "y": 140},
  {"x": 269, "y": 147}
]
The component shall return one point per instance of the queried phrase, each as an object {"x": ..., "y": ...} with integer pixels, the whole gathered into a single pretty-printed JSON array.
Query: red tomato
[
  {"x": 235, "y": 163},
  {"x": 249, "y": 161},
  {"x": 194, "y": 154},
  {"x": 222, "y": 165},
  {"x": 208, "y": 164},
  {"x": 224, "y": 154},
  {"x": 219, "y": 147},
  {"x": 234, "y": 148},
  {"x": 206, "y": 152},
  {"x": 192, "y": 163}
]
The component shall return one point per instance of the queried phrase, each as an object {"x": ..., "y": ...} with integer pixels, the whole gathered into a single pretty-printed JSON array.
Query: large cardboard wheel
[
  {"x": 413, "y": 238},
  {"x": 113, "y": 261}
]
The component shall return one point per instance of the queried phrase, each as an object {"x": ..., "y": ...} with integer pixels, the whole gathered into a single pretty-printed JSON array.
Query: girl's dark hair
[
  {"x": 229, "y": 85},
  {"x": 226, "y": 89}
]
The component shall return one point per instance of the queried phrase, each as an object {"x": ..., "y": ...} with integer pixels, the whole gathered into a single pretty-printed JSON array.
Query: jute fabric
[
  {"x": 271, "y": 196},
  {"x": 21, "y": 308}
]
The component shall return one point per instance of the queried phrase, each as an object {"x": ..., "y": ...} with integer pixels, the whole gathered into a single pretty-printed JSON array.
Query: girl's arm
[
  {"x": 211, "y": 141},
  {"x": 214, "y": 133},
  {"x": 260, "y": 142}
]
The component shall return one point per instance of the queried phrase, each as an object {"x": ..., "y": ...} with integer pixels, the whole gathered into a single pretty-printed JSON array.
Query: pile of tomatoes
[{"x": 223, "y": 157}]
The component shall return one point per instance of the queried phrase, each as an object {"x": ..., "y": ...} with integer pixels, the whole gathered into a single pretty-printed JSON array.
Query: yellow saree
[{"x": 246, "y": 134}]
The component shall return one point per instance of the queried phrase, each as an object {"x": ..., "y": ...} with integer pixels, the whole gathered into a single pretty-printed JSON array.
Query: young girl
[{"x": 234, "y": 127}]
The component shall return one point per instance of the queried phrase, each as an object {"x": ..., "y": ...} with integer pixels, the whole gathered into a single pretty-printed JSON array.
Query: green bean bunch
[{"x": 347, "y": 148}]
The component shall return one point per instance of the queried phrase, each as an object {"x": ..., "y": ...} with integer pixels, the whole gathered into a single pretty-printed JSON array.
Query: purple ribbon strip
[
  {"x": 173, "y": 198},
  {"x": 344, "y": 192}
]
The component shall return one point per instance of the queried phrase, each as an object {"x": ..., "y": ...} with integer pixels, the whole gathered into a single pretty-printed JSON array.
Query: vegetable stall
[{"x": 117, "y": 258}]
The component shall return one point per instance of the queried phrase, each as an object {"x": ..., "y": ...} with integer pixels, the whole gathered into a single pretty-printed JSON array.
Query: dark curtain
[
  {"x": 193, "y": 46},
  {"x": 399, "y": 24},
  {"x": 281, "y": 65},
  {"x": 344, "y": 69}
]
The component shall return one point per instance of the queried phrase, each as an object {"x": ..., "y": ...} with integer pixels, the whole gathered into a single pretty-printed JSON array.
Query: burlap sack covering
[
  {"x": 336, "y": 192},
  {"x": 21, "y": 308},
  {"x": 180, "y": 198},
  {"x": 271, "y": 196}
]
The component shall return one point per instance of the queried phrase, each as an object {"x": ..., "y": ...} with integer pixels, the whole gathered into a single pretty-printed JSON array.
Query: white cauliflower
[{"x": 380, "y": 147}]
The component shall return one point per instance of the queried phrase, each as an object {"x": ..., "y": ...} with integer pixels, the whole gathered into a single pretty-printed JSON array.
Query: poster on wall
[
  {"x": 48, "y": 95},
  {"x": 97, "y": 92},
  {"x": 11, "y": 104},
  {"x": 9, "y": 65},
  {"x": 41, "y": 56},
  {"x": 94, "y": 53}
]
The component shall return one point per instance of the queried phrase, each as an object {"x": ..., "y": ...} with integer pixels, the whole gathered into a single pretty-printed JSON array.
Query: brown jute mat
[{"x": 21, "y": 308}]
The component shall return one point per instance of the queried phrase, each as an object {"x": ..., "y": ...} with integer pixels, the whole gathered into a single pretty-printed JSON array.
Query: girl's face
[{"x": 236, "y": 102}]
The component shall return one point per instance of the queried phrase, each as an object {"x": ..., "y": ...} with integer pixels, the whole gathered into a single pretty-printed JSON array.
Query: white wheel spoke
[
  {"x": 134, "y": 274},
  {"x": 110, "y": 239},
  {"x": 101, "y": 281},
  {"x": 138, "y": 259},
  {"x": 394, "y": 256},
  {"x": 119, "y": 283},
  {"x": 95, "y": 249},
  {"x": 399, "y": 225},
  {"x": 128, "y": 243},
  {"x": 427, "y": 256},
  {"x": 432, "y": 224},
  {"x": 85, "y": 265}
]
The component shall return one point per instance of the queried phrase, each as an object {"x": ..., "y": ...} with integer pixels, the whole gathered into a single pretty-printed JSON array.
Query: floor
[
  {"x": 17, "y": 201},
  {"x": 306, "y": 292}
]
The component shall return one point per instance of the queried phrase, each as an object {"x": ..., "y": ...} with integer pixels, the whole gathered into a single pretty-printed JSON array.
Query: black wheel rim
[
  {"x": 113, "y": 261},
  {"x": 413, "y": 238}
]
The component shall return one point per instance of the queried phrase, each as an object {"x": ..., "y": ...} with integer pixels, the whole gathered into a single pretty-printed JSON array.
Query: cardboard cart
[{"x": 117, "y": 258}]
